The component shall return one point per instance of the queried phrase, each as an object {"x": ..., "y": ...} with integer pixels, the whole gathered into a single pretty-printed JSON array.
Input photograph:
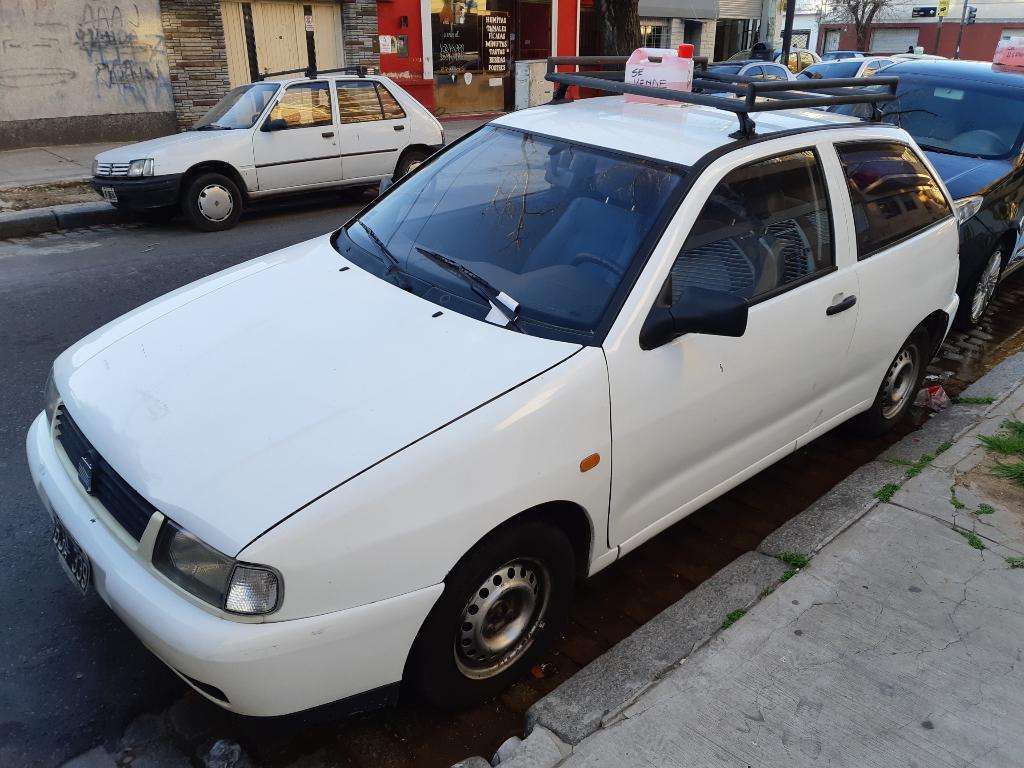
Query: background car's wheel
[
  {"x": 899, "y": 387},
  {"x": 974, "y": 303},
  {"x": 410, "y": 161},
  {"x": 503, "y": 606},
  {"x": 212, "y": 202}
]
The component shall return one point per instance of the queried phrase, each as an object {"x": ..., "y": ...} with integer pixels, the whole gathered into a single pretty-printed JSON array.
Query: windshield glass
[
  {"x": 239, "y": 108},
  {"x": 831, "y": 69},
  {"x": 553, "y": 225}
]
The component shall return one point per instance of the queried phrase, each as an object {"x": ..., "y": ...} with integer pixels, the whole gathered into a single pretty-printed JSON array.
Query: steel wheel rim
[
  {"x": 898, "y": 386},
  {"x": 215, "y": 202},
  {"x": 501, "y": 618},
  {"x": 986, "y": 286}
]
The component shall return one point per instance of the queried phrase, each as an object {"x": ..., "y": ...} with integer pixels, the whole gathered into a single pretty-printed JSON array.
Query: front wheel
[
  {"x": 212, "y": 202},
  {"x": 899, "y": 387},
  {"x": 503, "y": 606},
  {"x": 974, "y": 304}
]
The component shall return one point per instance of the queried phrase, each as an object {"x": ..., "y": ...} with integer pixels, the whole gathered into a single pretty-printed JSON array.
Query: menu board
[{"x": 496, "y": 52}]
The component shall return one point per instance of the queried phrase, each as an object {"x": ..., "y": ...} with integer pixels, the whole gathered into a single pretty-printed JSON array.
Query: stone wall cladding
[
  {"x": 196, "y": 55},
  {"x": 359, "y": 33}
]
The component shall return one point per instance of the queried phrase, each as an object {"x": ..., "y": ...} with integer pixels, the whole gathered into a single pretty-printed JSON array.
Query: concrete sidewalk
[
  {"x": 900, "y": 644},
  {"x": 48, "y": 165}
]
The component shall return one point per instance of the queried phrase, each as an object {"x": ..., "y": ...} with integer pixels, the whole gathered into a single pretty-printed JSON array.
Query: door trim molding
[
  {"x": 304, "y": 160},
  {"x": 369, "y": 152}
]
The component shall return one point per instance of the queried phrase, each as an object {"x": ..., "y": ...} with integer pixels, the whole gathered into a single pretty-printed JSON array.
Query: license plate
[
  {"x": 109, "y": 194},
  {"x": 72, "y": 559}
]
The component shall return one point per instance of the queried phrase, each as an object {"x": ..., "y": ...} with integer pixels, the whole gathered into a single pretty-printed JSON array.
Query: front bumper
[
  {"x": 269, "y": 668},
  {"x": 145, "y": 192}
]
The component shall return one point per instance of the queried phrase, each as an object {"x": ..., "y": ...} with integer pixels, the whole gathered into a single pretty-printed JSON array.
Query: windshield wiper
[
  {"x": 498, "y": 300},
  {"x": 388, "y": 258}
]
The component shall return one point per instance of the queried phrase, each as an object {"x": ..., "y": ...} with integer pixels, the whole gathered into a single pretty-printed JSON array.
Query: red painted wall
[
  {"x": 406, "y": 71},
  {"x": 979, "y": 40},
  {"x": 567, "y": 16}
]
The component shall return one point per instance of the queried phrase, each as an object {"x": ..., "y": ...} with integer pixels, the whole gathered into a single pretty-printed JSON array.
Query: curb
[
  {"x": 34, "y": 221},
  {"x": 596, "y": 695}
]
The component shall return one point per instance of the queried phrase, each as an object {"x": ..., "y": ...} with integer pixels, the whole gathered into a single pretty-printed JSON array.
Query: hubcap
[
  {"x": 898, "y": 386},
  {"x": 501, "y": 619},
  {"x": 215, "y": 202},
  {"x": 986, "y": 286}
]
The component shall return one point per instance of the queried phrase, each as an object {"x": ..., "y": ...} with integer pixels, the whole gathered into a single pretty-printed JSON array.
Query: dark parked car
[
  {"x": 968, "y": 117},
  {"x": 840, "y": 55}
]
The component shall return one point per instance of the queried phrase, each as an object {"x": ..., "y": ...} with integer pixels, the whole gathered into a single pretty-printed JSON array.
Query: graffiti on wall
[{"x": 94, "y": 57}]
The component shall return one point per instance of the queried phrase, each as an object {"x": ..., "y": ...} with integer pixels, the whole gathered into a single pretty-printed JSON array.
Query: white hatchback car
[
  {"x": 387, "y": 454},
  {"x": 270, "y": 138}
]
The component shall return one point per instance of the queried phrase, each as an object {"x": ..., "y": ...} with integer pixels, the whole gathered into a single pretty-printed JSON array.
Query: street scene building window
[
  {"x": 765, "y": 225},
  {"x": 893, "y": 193},
  {"x": 652, "y": 35}
]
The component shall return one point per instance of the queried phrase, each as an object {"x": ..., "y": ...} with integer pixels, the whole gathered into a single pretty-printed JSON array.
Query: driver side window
[{"x": 765, "y": 227}]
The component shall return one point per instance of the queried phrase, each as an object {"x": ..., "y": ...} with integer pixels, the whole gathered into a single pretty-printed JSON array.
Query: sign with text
[{"x": 496, "y": 53}]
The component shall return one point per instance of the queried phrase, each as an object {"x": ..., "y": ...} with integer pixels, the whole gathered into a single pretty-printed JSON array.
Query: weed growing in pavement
[
  {"x": 957, "y": 504},
  {"x": 1013, "y": 471},
  {"x": 918, "y": 466},
  {"x": 733, "y": 617},
  {"x": 766, "y": 591},
  {"x": 886, "y": 492},
  {"x": 985, "y": 509},
  {"x": 1009, "y": 442},
  {"x": 974, "y": 400},
  {"x": 943, "y": 448},
  {"x": 795, "y": 561},
  {"x": 1015, "y": 562},
  {"x": 972, "y": 538}
]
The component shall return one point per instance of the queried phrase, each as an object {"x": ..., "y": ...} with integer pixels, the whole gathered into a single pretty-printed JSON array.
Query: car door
[
  {"x": 297, "y": 144},
  {"x": 907, "y": 243},
  {"x": 697, "y": 415},
  {"x": 374, "y": 129}
]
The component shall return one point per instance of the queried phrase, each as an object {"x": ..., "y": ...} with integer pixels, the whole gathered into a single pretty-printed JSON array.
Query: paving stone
[{"x": 1002, "y": 379}]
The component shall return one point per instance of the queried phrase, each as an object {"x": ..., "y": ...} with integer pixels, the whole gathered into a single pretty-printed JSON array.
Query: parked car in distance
[
  {"x": 754, "y": 68},
  {"x": 841, "y": 55},
  {"x": 269, "y": 138},
  {"x": 385, "y": 455},
  {"x": 798, "y": 60},
  {"x": 863, "y": 67},
  {"x": 968, "y": 117}
]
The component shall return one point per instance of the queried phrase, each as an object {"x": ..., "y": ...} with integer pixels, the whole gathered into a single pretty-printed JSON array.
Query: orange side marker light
[{"x": 590, "y": 462}]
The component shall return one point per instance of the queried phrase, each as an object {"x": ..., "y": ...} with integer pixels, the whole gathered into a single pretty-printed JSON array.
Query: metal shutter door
[{"x": 893, "y": 40}]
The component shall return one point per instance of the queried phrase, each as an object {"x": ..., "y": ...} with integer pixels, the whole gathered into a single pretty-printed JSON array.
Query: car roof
[
  {"x": 674, "y": 133},
  {"x": 977, "y": 71}
]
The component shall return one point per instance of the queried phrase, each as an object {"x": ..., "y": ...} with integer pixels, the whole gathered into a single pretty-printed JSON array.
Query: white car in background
[
  {"x": 387, "y": 454},
  {"x": 271, "y": 138}
]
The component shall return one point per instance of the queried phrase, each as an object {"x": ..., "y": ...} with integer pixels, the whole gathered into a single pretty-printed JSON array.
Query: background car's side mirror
[
  {"x": 696, "y": 310},
  {"x": 274, "y": 124}
]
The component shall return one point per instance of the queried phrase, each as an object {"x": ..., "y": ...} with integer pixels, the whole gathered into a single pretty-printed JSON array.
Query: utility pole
[
  {"x": 967, "y": 17},
  {"x": 787, "y": 31},
  {"x": 938, "y": 36}
]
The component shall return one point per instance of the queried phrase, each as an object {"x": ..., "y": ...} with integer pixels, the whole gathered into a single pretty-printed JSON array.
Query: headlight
[
  {"x": 966, "y": 207},
  {"x": 52, "y": 397},
  {"x": 95, "y": 167},
  {"x": 211, "y": 576},
  {"x": 141, "y": 167}
]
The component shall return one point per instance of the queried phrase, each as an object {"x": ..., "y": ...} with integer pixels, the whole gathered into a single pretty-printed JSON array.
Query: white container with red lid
[{"x": 660, "y": 68}]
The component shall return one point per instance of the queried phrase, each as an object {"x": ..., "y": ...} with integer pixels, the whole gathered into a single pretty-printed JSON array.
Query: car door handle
[
  {"x": 328, "y": 134},
  {"x": 398, "y": 127},
  {"x": 842, "y": 306}
]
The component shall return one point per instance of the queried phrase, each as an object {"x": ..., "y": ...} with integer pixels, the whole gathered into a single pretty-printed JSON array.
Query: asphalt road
[{"x": 71, "y": 675}]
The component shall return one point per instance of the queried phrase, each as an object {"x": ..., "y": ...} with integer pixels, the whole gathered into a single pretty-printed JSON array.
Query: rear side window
[
  {"x": 893, "y": 193},
  {"x": 766, "y": 226},
  {"x": 359, "y": 102},
  {"x": 392, "y": 109}
]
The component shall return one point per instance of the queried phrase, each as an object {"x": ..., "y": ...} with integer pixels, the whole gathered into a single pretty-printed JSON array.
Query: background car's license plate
[
  {"x": 74, "y": 561},
  {"x": 109, "y": 194}
]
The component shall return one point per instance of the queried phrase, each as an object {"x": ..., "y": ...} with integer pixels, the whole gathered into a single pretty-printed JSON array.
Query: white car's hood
[
  {"x": 189, "y": 141},
  {"x": 233, "y": 402}
]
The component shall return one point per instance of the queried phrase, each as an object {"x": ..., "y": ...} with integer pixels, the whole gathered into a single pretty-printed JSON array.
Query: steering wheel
[
  {"x": 583, "y": 258},
  {"x": 976, "y": 139}
]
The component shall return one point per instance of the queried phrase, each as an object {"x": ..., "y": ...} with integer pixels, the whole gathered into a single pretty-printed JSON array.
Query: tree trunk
[{"x": 620, "y": 26}]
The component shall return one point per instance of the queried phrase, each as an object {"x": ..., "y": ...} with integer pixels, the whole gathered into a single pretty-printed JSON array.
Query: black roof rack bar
[
  {"x": 774, "y": 94},
  {"x": 312, "y": 72}
]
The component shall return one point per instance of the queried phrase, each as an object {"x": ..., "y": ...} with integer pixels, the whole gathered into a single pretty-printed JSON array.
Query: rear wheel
[
  {"x": 503, "y": 606},
  {"x": 410, "y": 161},
  {"x": 212, "y": 202},
  {"x": 899, "y": 387}
]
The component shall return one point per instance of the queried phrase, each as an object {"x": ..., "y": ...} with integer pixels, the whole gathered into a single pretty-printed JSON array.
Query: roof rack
[
  {"x": 774, "y": 94},
  {"x": 312, "y": 72}
]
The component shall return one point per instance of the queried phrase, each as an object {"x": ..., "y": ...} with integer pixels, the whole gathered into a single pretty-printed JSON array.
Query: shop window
[
  {"x": 305, "y": 106},
  {"x": 653, "y": 36}
]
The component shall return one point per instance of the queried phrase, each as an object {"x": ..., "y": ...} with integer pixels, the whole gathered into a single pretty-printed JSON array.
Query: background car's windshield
[
  {"x": 961, "y": 117},
  {"x": 831, "y": 69},
  {"x": 552, "y": 224},
  {"x": 239, "y": 108}
]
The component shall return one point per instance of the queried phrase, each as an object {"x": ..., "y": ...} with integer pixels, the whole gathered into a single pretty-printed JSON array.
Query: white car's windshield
[
  {"x": 554, "y": 225},
  {"x": 239, "y": 108}
]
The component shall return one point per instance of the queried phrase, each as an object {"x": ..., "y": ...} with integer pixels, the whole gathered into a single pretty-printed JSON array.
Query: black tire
[
  {"x": 438, "y": 669},
  {"x": 202, "y": 214},
  {"x": 409, "y": 161},
  {"x": 975, "y": 294},
  {"x": 884, "y": 415}
]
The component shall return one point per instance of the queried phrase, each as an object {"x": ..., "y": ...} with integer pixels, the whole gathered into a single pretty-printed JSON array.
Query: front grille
[
  {"x": 112, "y": 169},
  {"x": 110, "y": 489}
]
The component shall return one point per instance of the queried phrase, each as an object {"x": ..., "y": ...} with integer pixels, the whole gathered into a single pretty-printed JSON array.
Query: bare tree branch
[{"x": 861, "y": 14}]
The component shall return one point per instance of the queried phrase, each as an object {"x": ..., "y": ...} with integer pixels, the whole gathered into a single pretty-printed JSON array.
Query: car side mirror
[
  {"x": 697, "y": 310},
  {"x": 274, "y": 124}
]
